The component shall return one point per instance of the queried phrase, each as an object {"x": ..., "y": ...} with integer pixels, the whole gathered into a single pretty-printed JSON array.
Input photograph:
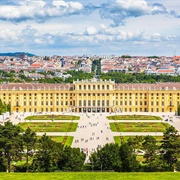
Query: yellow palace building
[{"x": 91, "y": 96}]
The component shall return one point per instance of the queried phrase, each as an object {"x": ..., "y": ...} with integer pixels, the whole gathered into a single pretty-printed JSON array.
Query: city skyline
[{"x": 48, "y": 27}]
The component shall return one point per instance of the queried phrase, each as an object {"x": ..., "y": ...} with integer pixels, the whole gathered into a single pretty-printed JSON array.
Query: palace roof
[{"x": 123, "y": 86}]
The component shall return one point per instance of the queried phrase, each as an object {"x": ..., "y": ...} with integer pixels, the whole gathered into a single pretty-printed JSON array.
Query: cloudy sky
[{"x": 96, "y": 27}]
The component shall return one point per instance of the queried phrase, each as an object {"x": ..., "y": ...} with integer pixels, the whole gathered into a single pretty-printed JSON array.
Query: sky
[{"x": 93, "y": 27}]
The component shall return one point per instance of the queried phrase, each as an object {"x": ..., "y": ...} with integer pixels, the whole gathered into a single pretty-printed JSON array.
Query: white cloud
[
  {"x": 38, "y": 41},
  {"x": 119, "y": 10},
  {"x": 91, "y": 31},
  {"x": 8, "y": 35},
  {"x": 38, "y": 10}
]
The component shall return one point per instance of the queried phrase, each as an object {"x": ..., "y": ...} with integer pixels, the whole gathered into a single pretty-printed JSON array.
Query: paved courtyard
[{"x": 94, "y": 131}]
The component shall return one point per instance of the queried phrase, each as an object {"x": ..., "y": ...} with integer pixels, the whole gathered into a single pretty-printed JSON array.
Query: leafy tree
[
  {"x": 135, "y": 143},
  {"x": 128, "y": 159},
  {"x": 170, "y": 148},
  {"x": 106, "y": 157},
  {"x": 11, "y": 144},
  {"x": 45, "y": 158},
  {"x": 150, "y": 153},
  {"x": 72, "y": 159},
  {"x": 29, "y": 140}
]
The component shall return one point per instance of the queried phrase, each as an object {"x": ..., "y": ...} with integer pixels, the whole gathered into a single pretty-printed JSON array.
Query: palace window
[
  {"x": 98, "y": 103},
  {"x": 102, "y": 102},
  {"x": 107, "y": 102},
  {"x": 94, "y": 103}
]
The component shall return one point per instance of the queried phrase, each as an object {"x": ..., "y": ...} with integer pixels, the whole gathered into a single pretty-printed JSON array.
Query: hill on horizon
[{"x": 17, "y": 54}]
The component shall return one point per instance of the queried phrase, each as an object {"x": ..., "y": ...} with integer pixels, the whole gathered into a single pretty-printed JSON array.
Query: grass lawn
[
  {"x": 134, "y": 117},
  {"x": 139, "y": 127},
  {"x": 120, "y": 139},
  {"x": 90, "y": 176},
  {"x": 50, "y": 127},
  {"x": 52, "y": 117},
  {"x": 59, "y": 139}
]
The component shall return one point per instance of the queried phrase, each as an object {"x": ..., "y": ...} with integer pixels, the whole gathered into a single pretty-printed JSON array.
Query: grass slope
[{"x": 90, "y": 176}]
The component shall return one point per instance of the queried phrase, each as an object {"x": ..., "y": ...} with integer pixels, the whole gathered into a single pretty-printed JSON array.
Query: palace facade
[{"x": 91, "y": 96}]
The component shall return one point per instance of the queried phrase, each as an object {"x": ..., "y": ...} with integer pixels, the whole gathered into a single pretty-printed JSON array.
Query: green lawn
[
  {"x": 50, "y": 126},
  {"x": 90, "y": 176},
  {"x": 139, "y": 127},
  {"x": 52, "y": 117},
  {"x": 134, "y": 117},
  {"x": 120, "y": 139},
  {"x": 60, "y": 139}
]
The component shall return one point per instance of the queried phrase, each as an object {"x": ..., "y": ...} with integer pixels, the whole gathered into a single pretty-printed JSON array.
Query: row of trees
[
  {"x": 40, "y": 154},
  {"x": 118, "y": 77},
  {"x": 44, "y": 155},
  {"x": 4, "y": 107},
  {"x": 158, "y": 156}
]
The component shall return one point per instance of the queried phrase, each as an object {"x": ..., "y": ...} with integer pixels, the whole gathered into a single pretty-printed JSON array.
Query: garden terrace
[
  {"x": 65, "y": 140},
  {"x": 138, "y": 127},
  {"x": 52, "y": 117},
  {"x": 134, "y": 117},
  {"x": 123, "y": 139},
  {"x": 50, "y": 127}
]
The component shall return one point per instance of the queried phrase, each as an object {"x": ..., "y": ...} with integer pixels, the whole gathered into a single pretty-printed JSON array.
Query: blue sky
[{"x": 96, "y": 27}]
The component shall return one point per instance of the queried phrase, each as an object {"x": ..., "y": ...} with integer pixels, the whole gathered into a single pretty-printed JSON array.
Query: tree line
[
  {"x": 40, "y": 154},
  {"x": 158, "y": 156},
  {"x": 45, "y": 155},
  {"x": 118, "y": 77}
]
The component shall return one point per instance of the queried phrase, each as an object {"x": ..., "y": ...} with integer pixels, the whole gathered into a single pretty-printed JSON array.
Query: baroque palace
[{"x": 91, "y": 96}]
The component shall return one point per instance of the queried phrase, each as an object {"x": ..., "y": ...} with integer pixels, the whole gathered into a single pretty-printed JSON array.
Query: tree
[
  {"x": 128, "y": 159},
  {"x": 11, "y": 143},
  {"x": 45, "y": 158},
  {"x": 170, "y": 148},
  {"x": 135, "y": 142},
  {"x": 150, "y": 153},
  {"x": 29, "y": 141},
  {"x": 106, "y": 157},
  {"x": 72, "y": 159}
]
